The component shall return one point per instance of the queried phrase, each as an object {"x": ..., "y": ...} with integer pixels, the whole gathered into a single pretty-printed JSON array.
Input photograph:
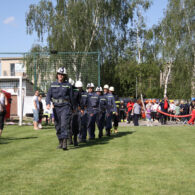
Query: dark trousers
[
  {"x": 75, "y": 124},
  {"x": 91, "y": 124},
  {"x": 163, "y": 118},
  {"x": 100, "y": 120},
  {"x": 83, "y": 127},
  {"x": 135, "y": 119},
  {"x": 116, "y": 120},
  {"x": 62, "y": 116},
  {"x": 130, "y": 117},
  {"x": 108, "y": 123},
  {"x": 2, "y": 118},
  {"x": 153, "y": 115},
  {"x": 122, "y": 115}
]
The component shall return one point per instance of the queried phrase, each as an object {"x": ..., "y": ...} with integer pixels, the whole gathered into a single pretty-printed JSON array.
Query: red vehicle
[{"x": 8, "y": 107}]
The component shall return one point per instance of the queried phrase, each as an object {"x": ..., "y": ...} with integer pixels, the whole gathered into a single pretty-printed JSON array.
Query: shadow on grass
[
  {"x": 7, "y": 140},
  {"x": 103, "y": 140}
]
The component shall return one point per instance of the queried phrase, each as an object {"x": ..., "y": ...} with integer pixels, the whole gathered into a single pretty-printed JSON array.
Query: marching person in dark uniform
[
  {"x": 83, "y": 112},
  {"x": 100, "y": 119},
  {"x": 110, "y": 110},
  {"x": 115, "y": 115},
  {"x": 60, "y": 93},
  {"x": 92, "y": 109},
  {"x": 75, "y": 121}
]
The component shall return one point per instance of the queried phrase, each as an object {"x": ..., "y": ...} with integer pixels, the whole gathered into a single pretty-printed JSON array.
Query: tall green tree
[
  {"x": 175, "y": 38},
  {"x": 86, "y": 25}
]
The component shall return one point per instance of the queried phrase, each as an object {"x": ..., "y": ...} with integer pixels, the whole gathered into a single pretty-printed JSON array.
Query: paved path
[{"x": 155, "y": 123}]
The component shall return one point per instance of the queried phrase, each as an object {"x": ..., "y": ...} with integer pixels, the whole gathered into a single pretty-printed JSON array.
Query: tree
[
  {"x": 86, "y": 25},
  {"x": 175, "y": 35}
]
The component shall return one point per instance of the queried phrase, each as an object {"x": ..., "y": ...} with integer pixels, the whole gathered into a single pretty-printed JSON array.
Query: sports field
[{"x": 137, "y": 160}]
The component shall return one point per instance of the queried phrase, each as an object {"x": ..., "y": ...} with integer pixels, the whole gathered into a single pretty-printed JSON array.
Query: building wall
[{"x": 20, "y": 69}]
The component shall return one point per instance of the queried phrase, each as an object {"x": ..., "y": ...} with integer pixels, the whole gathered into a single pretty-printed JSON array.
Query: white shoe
[{"x": 40, "y": 126}]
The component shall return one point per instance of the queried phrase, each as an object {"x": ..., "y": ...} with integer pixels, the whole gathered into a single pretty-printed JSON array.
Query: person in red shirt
[
  {"x": 164, "y": 105},
  {"x": 192, "y": 110},
  {"x": 129, "y": 110}
]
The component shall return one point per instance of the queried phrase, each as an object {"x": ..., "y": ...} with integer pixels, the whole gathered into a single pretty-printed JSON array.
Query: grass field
[{"x": 138, "y": 160}]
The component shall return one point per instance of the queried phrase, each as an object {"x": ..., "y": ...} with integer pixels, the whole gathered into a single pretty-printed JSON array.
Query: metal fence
[
  {"x": 39, "y": 68},
  {"x": 23, "y": 73}
]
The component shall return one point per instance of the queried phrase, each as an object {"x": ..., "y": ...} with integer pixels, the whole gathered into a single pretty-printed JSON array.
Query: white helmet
[
  {"x": 71, "y": 81},
  {"x": 98, "y": 89},
  {"x": 101, "y": 89},
  {"x": 78, "y": 84},
  {"x": 88, "y": 85},
  {"x": 111, "y": 88},
  {"x": 106, "y": 87},
  {"x": 92, "y": 85},
  {"x": 62, "y": 70}
]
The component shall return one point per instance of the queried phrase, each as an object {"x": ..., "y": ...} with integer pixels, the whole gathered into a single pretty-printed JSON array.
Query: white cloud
[{"x": 9, "y": 20}]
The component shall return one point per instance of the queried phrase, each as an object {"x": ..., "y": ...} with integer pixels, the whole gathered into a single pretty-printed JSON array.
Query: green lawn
[{"x": 138, "y": 160}]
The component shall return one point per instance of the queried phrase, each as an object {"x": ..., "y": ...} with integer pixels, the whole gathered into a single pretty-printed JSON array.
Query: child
[{"x": 148, "y": 114}]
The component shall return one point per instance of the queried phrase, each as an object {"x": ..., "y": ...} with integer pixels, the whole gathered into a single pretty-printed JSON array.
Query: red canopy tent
[{"x": 8, "y": 107}]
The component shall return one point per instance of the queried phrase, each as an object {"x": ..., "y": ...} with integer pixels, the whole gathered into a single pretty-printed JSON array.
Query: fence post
[
  {"x": 35, "y": 73},
  {"x": 99, "y": 77}
]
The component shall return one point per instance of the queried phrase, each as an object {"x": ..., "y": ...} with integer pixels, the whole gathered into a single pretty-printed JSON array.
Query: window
[{"x": 12, "y": 69}]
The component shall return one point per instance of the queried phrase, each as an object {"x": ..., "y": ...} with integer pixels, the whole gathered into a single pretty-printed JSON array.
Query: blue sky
[{"x": 13, "y": 36}]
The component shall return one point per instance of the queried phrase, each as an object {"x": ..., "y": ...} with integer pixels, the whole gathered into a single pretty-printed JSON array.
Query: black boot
[
  {"x": 70, "y": 141},
  {"x": 64, "y": 144},
  {"x": 108, "y": 132},
  {"x": 60, "y": 144},
  {"x": 75, "y": 141}
]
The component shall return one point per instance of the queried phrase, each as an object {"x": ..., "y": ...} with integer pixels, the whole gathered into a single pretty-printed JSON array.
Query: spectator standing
[
  {"x": 172, "y": 110},
  {"x": 154, "y": 110},
  {"x": 184, "y": 110},
  {"x": 136, "y": 112},
  {"x": 3, "y": 104},
  {"x": 36, "y": 110},
  {"x": 148, "y": 114},
  {"x": 40, "y": 112},
  {"x": 177, "y": 111},
  {"x": 164, "y": 105},
  {"x": 122, "y": 111},
  {"x": 192, "y": 111},
  {"x": 129, "y": 110}
]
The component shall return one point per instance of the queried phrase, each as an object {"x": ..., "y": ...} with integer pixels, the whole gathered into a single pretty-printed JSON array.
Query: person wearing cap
[
  {"x": 110, "y": 110},
  {"x": 60, "y": 94},
  {"x": 83, "y": 112},
  {"x": 75, "y": 120},
  {"x": 92, "y": 109},
  {"x": 100, "y": 119},
  {"x": 115, "y": 114}
]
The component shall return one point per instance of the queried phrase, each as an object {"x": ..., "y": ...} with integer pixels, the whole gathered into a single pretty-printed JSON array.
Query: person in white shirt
[
  {"x": 154, "y": 110},
  {"x": 36, "y": 110},
  {"x": 172, "y": 110}
]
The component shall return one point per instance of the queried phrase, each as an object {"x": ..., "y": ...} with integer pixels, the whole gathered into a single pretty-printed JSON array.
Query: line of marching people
[
  {"x": 91, "y": 108},
  {"x": 76, "y": 111}
]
